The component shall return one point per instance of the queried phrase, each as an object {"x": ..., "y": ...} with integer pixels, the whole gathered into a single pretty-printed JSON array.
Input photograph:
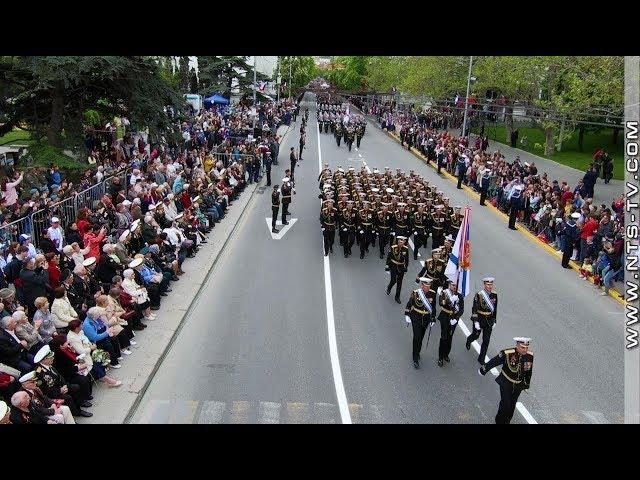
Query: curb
[{"x": 526, "y": 233}]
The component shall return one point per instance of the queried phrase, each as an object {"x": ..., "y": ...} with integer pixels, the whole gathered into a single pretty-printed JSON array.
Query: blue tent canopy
[{"x": 215, "y": 100}]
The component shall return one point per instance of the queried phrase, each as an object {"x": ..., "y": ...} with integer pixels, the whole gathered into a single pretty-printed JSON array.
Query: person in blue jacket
[{"x": 97, "y": 332}]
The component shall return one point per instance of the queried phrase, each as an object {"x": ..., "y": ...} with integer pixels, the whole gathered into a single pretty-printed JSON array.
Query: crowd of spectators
[
  {"x": 71, "y": 306},
  {"x": 548, "y": 206}
]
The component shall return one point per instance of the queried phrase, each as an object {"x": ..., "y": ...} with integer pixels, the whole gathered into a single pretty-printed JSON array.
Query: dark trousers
[
  {"x": 285, "y": 210},
  {"x": 446, "y": 335},
  {"x": 513, "y": 213},
  {"x": 396, "y": 279},
  {"x": 420, "y": 240},
  {"x": 338, "y": 138},
  {"x": 568, "y": 251},
  {"x": 437, "y": 239},
  {"x": 460, "y": 180},
  {"x": 483, "y": 195},
  {"x": 419, "y": 329},
  {"x": 268, "y": 170},
  {"x": 509, "y": 394},
  {"x": 84, "y": 390},
  {"x": 300, "y": 154},
  {"x": 293, "y": 170},
  {"x": 328, "y": 237},
  {"x": 358, "y": 141},
  {"x": 365, "y": 240},
  {"x": 112, "y": 347},
  {"x": 274, "y": 217},
  {"x": 349, "y": 238},
  {"x": 384, "y": 238},
  {"x": 486, "y": 337}
]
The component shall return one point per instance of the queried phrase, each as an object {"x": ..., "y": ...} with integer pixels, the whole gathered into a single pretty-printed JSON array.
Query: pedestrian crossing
[
  {"x": 272, "y": 413},
  {"x": 245, "y": 412}
]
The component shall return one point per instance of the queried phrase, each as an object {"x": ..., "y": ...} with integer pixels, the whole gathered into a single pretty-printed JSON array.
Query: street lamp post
[
  {"x": 290, "y": 63},
  {"x": 466, "y": 100},
  {"x": 254, "y": 94}
]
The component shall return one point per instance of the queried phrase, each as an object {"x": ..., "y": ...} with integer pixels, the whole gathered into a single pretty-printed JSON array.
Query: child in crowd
[{"x": 587, "y": 269}]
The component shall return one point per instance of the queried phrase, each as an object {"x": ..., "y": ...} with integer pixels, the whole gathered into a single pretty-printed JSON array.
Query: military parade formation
[
  {"x": 335, "y": 117},
  {"x": 368, "y": 207}
]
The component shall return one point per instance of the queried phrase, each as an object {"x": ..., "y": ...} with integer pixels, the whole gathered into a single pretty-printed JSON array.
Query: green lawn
[
  {"x": 16, "y": 136},
  {"x": 569, "y": 156}
]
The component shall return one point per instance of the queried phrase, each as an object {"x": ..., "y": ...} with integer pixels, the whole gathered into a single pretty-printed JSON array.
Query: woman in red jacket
[
  {"x": 54, "y": 270},
  {"x": 82, "y": 222},
  {"x": 93, "y": 241}
]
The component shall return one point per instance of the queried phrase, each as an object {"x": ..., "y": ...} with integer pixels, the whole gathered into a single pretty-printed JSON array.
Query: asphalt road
[{"x": 256, "y": 349}]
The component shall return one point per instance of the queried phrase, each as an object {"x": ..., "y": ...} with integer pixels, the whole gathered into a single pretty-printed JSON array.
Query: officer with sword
[{"x": 420, "y": 312}]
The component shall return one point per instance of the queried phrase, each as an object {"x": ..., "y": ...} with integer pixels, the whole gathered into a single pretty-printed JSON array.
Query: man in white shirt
[
  {"x": 170, "y": 209},
  {"x": 56, "y": 234}
]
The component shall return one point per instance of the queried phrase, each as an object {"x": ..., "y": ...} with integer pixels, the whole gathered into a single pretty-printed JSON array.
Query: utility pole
[
  {"x": 254, "y": 94},
  {"x": 466, "y": 100}
]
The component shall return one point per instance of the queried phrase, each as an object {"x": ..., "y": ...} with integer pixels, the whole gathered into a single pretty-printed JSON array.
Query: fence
[{"x": 66, "y": 210}]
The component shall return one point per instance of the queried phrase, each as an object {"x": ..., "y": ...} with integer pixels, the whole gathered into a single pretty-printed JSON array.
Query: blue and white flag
[{"x": 459, "y": 265}]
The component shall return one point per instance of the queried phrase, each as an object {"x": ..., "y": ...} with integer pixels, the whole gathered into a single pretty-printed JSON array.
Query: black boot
[
  {"x": 440, "y": 363},
  {"x": 416, "y": 365},
  {"x": 468, "y": 344}
]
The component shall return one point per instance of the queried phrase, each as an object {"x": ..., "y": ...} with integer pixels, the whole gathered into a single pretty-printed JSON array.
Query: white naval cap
[
  {"x": 27, "y": 376},
  {"x": 449, "y": 237},
  {"x": 389, "y": 190},
  {"x": 55, "y": 220},
  {"x": 123, "y": 236},
  {"x": 522, "y": 340},
  {"x": 400, "y": 237},
  {"x": 178, "y": 216},
  {"x": 89, "y": 261},
  {"x": 425, "y": 280},
  {"x": 134, "y": 224},
  {"x": 285, "y": 179},
  {"x": 44, "y": 352},
  {"x": 575, "y": 215},
  {"x": 135, "y": 262},
  {"x": 488, "y": 279}
]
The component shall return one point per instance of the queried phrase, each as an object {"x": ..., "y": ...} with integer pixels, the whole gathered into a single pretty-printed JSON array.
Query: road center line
[{"x": 341, "y": 395}]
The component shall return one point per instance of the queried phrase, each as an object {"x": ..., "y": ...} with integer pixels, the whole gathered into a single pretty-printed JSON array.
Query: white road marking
[
  {"x": 212, "y": 412},
  {"x": 269, "y": 412},
  {"x": 283, "y": 231},
  {"x": 341, "y": 395},
  {"x": 595, "y": 417}
]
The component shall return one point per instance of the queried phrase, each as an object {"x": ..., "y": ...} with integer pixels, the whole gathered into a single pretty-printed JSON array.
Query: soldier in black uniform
[
  {"x": 302, "y": 142},
  {"x": 348, "y": 225},
  {"x": 348, "y": 137},
  {"x": 275, "y": 207},
  {"x": 365, "y": 228},
  {"x": 383, "y": 227},
  {"x": 419, "y": 224},
  {"x": 485, "y": 180},
  {"x": 452, "y": 308},
  {"x": 432, "y": 269},
  {"x": 401, "y": 220},
  {"x": 338, "y": 133},
  {"x": 420, "y": 312},
  {"x": 517, "y": 368},
  {"x": 484, "y": 315},
  {"x": 455, "y": 221},
  {"x": 286, "y": 191},
  {"x": 328, "y": 221},
  {"x": 397, "y": 264},
  {"x": 359, "y": 134},
  {"x": 293, "y": 160},
  {"x": 439, "y": 227}
]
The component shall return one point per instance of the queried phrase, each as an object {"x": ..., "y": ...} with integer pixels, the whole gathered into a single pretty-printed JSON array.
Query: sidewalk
[
  {"x": 112, "y": 405},
  {"x": 604, "y": 193}
]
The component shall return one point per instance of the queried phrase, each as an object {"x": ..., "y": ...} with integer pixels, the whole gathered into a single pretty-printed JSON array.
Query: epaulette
[{"x": 510, "y": 350}]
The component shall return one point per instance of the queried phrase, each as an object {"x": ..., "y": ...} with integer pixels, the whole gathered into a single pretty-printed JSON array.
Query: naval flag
[{"x": 459, "y": 265}]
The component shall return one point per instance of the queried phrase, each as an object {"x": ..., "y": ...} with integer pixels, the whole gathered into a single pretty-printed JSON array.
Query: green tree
[
  {"x": 303, "y": 70},
  {"x": 51, "y": 94},
  {"x": 223, "y": 74}
]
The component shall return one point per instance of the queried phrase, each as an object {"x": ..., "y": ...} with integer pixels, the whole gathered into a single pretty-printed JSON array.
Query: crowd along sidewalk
[
  {"x": 472, "y": 193},
  {"x": 115, "y": 405}
]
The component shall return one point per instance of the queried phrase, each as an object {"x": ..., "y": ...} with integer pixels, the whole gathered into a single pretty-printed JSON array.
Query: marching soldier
[
  {"x": 275, "y": 207},
  {"x": 432, "y": 269},
  {"x": 439, "y": 224},
  {"x": 517, "y": 368},
  {"x": 419, "y": 230},
  {"x": 365, "y": 228},
  {"x": 397, "y": 264},
  {"x": 359, "y": 134},
  {"x": 383, "y": 227},
  {"x": 348, "y": 226},
  {"x": 452, "y": 308},
  {"x": 328, "y": 222},
  {"x": 455, "y": 221},
  {"x": 484, "y": 314},
  {"x": 348, "y": 137},
  {"x": 338, "y": 133},
  {"x": 401, "y": 220},
  {"x": 420, "y": 313}
]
